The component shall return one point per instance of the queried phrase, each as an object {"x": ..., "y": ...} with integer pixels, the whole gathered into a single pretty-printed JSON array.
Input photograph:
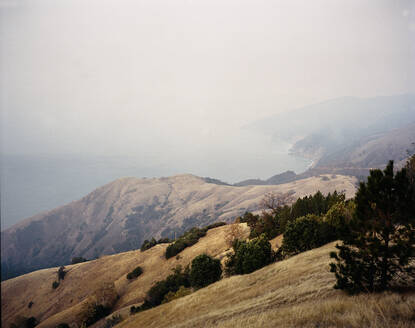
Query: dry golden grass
[
  {"x": 294, "y": 293},
  {"x": 84, "y": 280}
]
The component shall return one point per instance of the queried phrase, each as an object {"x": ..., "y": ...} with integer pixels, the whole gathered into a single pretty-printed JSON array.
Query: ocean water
[{"x": 31, "y": 184}]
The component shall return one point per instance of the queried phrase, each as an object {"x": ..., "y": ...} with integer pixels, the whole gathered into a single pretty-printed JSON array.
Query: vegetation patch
[
  {"x": 147, "y": 244},
  {"x": 135, "y": 273},
  {"x": 249, "y": 256}
]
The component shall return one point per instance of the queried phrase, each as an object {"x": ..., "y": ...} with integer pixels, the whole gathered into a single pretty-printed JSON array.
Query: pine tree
[{"x": 380, "y": 243}]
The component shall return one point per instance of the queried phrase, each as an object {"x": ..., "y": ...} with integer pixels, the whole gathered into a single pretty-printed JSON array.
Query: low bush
[
  {"x": 62, "y": 325},
  {"x": 135, "y": 273},
  {"x": 61, "y": 273},
  {"x": 23, "y": 322},
  {"x": 78, "y": 259},
  {"x": 172, "y": 283},
  {"x": 306, "y": 233},
  {"x": 170, "y": 296},
  {"x": 189, "y": 238},
  {"x": 113, "y": 321},
  {"x": 96, "y": 312},
  {"x": 215, "y": 225},
  {"x": 249, "y": 256},
  {"x": 147, "y": 244},
  {"x": 55, "y": 284},
  {"x": 205, "y": 271}
]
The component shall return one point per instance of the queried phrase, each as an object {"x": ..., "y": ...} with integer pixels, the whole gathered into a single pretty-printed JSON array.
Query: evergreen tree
[{"x": 380, "y": 243}]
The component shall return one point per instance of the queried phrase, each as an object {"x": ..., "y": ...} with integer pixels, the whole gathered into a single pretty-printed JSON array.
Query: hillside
[
  {"x": 121, "y": 215},
  {"x": 82, "y": 280},
  {"x": 297, "y": 292},
  {"x": 293, "y": 293}
]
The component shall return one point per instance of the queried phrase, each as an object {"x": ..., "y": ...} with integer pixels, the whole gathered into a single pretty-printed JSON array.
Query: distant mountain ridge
[{"x": 121, "y": 215}]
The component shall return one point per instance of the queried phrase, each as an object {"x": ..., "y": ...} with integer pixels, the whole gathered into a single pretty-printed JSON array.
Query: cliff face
[{"x": 121, "y": 215}]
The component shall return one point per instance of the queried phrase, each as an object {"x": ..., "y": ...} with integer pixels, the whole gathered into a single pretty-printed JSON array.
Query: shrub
[
  {"x": 96, "y": 312},
  {"x": 55, "y": 284},
  {"x": 61, "y": 273},
  {"x": 306, "y": 233},
  {"x": 135, "y": 273},
  {"x": 249, "y": 256},
  {"x": 339, "y": 217},
  {"x": 205, "y": 271},
  {"x": 113, "y": 321},
  {"x": 172, "y": 283},
  {"x": 99, "y": 304},
  {"x": 170, "y": 296},
  {"x": 62, "y": 325},
  {"x": 147, "y": 244},
  {"x": 78, "y": 259},
  {"x": 23, "y": 322},
  {"x": 189, "y": 238},
  {"x": 30, "y": 304},
  {"x": 215, "y": 225}
]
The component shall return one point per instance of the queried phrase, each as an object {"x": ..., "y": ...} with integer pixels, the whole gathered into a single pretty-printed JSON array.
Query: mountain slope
[
  {"x": 297, "y": 292},
  {"x": 121, "y": 215},
  {"x": 64, "y": 304}
]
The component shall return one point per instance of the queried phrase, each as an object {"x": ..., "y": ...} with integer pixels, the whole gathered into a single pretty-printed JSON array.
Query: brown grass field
[{"x": 297, "y": 292}]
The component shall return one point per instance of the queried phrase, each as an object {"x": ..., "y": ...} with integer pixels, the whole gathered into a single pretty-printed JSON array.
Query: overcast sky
[{"x": 118, "y": 76}]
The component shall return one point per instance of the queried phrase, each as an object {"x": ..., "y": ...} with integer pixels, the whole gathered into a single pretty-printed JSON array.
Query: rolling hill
[
  {"x": 121, "y": 215},
  {"x": 297, "y": 292}
]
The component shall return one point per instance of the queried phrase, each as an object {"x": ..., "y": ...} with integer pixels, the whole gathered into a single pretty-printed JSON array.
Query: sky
[
  {"x": 118, "y": 76},
  {"x": 173, "y": 83}
]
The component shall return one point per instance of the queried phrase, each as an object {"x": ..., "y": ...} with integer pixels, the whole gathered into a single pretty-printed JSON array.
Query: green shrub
[
  {"x": 170, "y": 296},
  {"x": 135, "y": 273},
  {"x": 55, "y": 284},
  {"x": 205, "y": 271},
  {"x": 339, "y": 217},
  {"x": 249, "y": 256},
  {"x": 172, "y": 283},
  {"x": 306, "y": 233},
  {"x": 147, "y": 244},
  {"x": 189, "y": 238},
  {"x": 95, "y": 313}
]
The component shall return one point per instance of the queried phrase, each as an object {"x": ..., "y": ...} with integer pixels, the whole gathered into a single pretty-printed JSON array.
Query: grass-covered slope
[
  {"x": 83, "y": 280},
  {"x": 297, "y": 292}
]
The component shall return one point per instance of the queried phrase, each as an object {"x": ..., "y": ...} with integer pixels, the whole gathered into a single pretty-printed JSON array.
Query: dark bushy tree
[
  {"x": 381, "y": 242},
  {"x": 205, "y": 271},
  {"x": 135, "y": 273},
  {"x": 306, "y": 233},
  {"x": 249, "y": 256},
  {"x": 172, "y": 283}
]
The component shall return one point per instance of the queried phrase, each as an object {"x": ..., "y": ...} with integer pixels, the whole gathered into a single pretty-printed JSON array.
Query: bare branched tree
[{"x": 272, "y": 201}]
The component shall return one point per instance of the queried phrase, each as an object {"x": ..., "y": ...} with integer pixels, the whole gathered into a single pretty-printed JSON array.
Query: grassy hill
[
  {"x": 119, "y": 216},
  {"x": 296, "y": 292}
]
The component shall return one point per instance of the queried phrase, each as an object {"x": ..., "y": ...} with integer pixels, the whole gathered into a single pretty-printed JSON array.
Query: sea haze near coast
[{"x": 35, "y": 183}]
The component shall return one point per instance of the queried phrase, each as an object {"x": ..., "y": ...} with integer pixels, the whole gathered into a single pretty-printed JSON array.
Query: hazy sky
[{"x": 179, "y": 78}]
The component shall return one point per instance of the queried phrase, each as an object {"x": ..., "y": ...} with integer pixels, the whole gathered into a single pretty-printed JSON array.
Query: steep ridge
[{"x": 121, "y": 215}]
